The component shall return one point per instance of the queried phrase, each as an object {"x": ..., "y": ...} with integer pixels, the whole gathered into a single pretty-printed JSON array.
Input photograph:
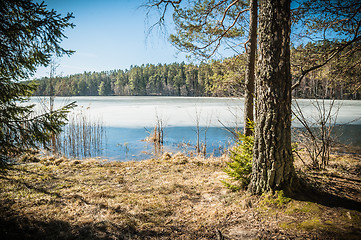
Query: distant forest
[{"x": 215, "y": 78}]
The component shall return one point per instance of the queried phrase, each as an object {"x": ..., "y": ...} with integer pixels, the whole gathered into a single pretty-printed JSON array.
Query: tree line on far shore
[{"x": 223, "y": 78}]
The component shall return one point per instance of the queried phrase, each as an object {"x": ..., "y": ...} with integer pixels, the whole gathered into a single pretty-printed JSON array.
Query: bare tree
[
  {"x": 197, "y": 121},
  {"x": 316, "y": 137},
  {"x": 201, "y": 147},
  {"x": 53, "y": 67},
  {"x": 49, "y": 106},
  {"x": 157, "y": 135}
]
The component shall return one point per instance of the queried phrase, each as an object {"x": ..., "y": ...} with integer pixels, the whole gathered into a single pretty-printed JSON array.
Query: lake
[{"x": 127, "y": 121}]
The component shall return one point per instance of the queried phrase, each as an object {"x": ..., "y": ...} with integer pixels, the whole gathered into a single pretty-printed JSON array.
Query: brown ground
[{"x": 176, "y": 198}]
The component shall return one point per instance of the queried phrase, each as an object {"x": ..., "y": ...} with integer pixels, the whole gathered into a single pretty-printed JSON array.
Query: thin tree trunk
[
  {"x": 51, "y": 102},
  {"x": 250, "y": 73},
  {"x": 272, "y": 160}
]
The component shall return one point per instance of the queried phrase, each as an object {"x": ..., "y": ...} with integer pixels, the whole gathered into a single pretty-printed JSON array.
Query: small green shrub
[
  {"x": 240, "y": 168},
  {"x": 277, "y": 199}
]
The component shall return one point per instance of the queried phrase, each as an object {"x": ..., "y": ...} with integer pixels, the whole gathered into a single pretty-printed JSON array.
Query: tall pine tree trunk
[
  {"x": 250, "y": 73},
  {"x": 272, "y": 161}
]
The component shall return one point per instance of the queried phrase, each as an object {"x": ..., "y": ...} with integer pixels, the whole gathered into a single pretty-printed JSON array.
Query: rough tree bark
[
  {"x": 250, "y": 72},
  {"x": 272, "y": 161}
]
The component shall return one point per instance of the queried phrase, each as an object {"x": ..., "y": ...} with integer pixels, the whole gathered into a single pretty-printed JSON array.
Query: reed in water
[{"x": 83, "y": 136}]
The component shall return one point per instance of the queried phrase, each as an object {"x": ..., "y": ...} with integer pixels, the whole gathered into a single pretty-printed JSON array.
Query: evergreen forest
[{"x": 217, "y": 78}]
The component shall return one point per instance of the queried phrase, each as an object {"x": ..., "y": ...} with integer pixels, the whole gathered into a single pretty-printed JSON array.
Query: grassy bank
[{"x": 174, "y": 197}]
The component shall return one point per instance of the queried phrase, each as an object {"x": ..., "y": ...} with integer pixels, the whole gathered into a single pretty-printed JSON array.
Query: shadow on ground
[{"x": 334, "y": 191}]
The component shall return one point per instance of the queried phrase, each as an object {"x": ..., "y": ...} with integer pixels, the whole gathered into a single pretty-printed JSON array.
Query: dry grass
[{"x": 173, "y": 197}]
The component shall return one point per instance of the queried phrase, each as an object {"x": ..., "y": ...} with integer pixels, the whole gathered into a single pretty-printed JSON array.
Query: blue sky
[
  {"x": 109, "y": 34},
  {"x": 112, "y": 34}
]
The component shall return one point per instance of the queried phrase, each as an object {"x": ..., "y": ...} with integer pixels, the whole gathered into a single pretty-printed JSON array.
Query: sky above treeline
[
  {"x": 109, "y": 34},
  {"x": 113, "y": 34}
]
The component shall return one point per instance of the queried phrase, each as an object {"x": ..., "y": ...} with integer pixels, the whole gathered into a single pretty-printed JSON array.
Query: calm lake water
[{"x": 127, "y": 122}]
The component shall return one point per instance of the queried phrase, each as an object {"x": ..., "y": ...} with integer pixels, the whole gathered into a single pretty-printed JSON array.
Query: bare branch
[
  {"x": 337, "y": 51},
  {"x": 229, "y": 129},
  {"x": 158, "y": 5}
]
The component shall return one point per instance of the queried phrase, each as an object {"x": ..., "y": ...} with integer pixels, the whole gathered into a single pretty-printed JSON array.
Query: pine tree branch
[
  {"x": 64, "y": 108},
  {"x": 220, "y": 37}
]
